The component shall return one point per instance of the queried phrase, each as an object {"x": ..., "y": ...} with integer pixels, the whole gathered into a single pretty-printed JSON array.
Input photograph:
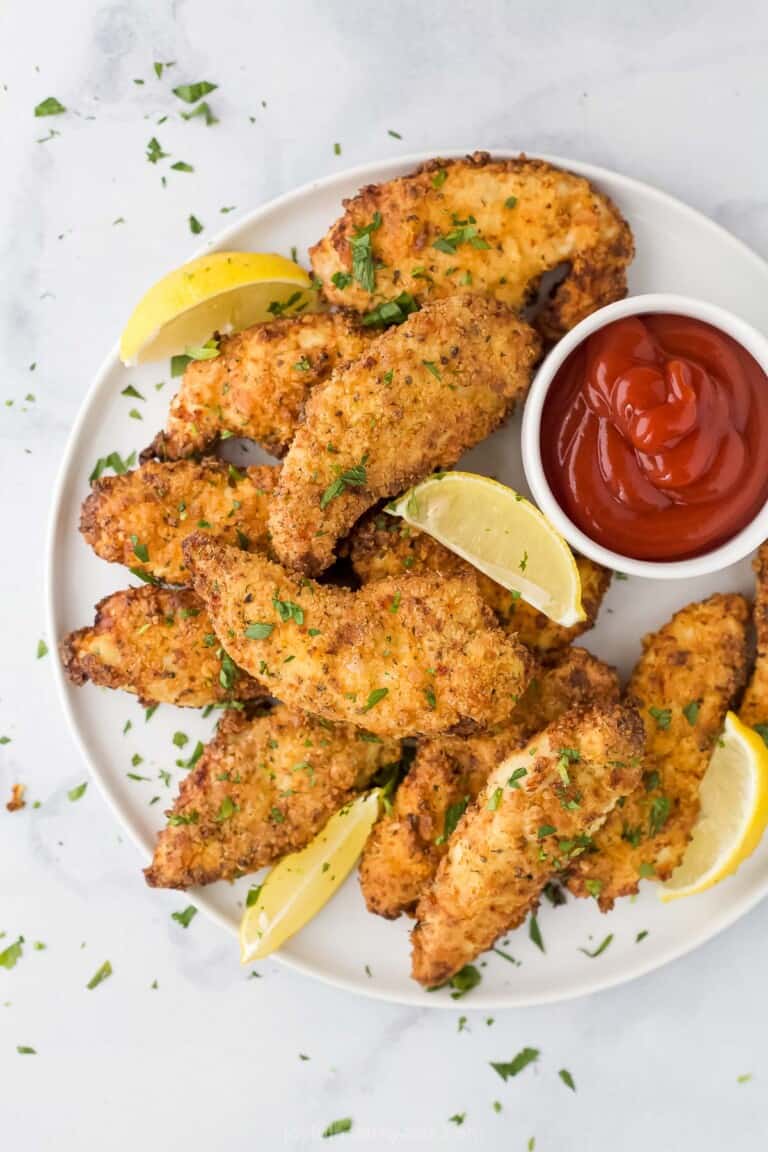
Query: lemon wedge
[
  {"x": 300, "y": 884},
  {"x": 221, "y": 292},
  {"x": 733, "y": 815},
  {"x": 500, "y": 533}
]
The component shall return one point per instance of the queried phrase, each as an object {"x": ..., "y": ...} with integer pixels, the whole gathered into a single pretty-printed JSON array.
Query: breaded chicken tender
[
  {"x": 414, "y": 655},
  {"x": 258, "y": 384},
  {"x": 538, "y": 809},
  {"x": 407, "y": 844},
  {"x": 158, "y": 643},
  {"x": 483, "y": 225},
  {"x": 422, "y": 394},
  {"x": 141, "y": 517},
  {"x": 754, "y": 706},
  {"x": 264, "y": 786},
  {"x": 382, "y": 545},
  {"x": 689, "y": 674}
]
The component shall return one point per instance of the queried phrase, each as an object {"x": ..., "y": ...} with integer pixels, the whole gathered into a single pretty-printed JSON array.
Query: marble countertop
[{"x": 178, "y": 1048}]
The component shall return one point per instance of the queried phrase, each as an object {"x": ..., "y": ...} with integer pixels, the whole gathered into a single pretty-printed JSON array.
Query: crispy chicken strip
[
  {"x": 423, "y": 393},
  {"x": 754, "y": 706},
  {"x": 383, "y": 545},
  {"x": 538, "y": 809},
  {"x": 494, "y": 226},
  {"x": 140, "y": 518},
  {"x": 160, "y": 644},
  {"x": 258, "y": 384},
  {"x": 264, "y": 786},
  {"x": 407, "y": 844},
  {"x": 414, "y": 655},
  {"x": 689, "y": 674}
]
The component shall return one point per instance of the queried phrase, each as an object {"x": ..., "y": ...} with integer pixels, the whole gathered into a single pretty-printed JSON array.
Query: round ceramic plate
[{"x": 678, "y": 250}]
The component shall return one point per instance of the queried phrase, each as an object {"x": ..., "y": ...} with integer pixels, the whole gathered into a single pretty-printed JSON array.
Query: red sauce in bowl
[{"x": 654, "y": 437}]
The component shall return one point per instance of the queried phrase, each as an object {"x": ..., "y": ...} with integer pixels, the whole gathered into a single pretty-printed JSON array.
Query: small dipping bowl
[{"x": 744, "y": 540}]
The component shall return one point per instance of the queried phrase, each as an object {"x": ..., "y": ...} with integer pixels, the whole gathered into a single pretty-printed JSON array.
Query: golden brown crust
[
  {"x": 258, "y": 384},
  {"x": 422, "y": 394},
  {"x": 382, "y": 545},
  {"x": 515, "y": 837},
  {"x": 158, "y": 643},
  {"x": 400, "y": 657},
  {"x": 141, "y": 517},
  {"x": 263, "y": 787},
  {"x": 754, "y": 706},
  {"x": 407, "y": 844},
  {"x": 501, "y": 224},
  {"x": 689, "y": 674}
]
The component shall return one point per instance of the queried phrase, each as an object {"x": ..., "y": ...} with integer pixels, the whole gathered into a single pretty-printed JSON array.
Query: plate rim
[{"x": 371, "y": 171}]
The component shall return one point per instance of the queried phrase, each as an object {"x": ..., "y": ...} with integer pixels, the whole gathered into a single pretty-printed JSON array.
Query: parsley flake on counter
[
  {"x": 42, "y": 649},
  {"x": 337, "y": 149},
  {"x": 744, "y": 1078},
  {"x": 100, "y": 975},
  {"x": 338, "y": 1126},
  {"x": 567, "y": 1079},
  {"x": 186, "y": 916},
  {"x": 600, "y": 948},
  {"x": 203, "y": 109},
  {"x": 641, "y": 936},
  {"x": 76, "y": 793},
  {"x": 50, "y": 107},
  {"x": 12, "y": 954},
  {"x": 395, "y": 135},
  {"x": 191, "y": 93},
  {"x": 180, "y": 739},
  {"x": 195, "y": 226},
  {"x": 458, "y": 1118},
  {"x": 155, "y": 152},
  {"x": 182, "y": 166},
  {"x": 515, "y": 1066},
  {"x": 25, "y": 1050}
]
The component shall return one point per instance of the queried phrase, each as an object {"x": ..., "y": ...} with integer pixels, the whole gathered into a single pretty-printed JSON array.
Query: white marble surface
[{"x": 671, "y": 93}]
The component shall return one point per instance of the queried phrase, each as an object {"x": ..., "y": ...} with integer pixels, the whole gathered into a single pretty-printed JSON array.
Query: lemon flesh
[
  {"x": 221, "y": 292},
  {"x": 733, "y": 815},
  {"x": 300, "y": 884},
  {"x": 501, "y": 534}
]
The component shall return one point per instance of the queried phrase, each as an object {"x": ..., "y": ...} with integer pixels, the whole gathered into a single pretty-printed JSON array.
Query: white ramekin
[{"x": 734, "y": 549}]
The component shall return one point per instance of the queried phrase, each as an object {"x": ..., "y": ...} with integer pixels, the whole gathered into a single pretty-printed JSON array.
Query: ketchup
[{"x": 654, "y": 437}]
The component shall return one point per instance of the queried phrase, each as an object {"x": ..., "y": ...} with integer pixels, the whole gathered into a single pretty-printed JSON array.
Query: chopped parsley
[
  {"x": 207, "y": 351},
  {"x": 302, "y": 365},
  {"x": 534, "y": 933},
  {"x": 391, "y": 311},
  {"x": 439, "y": 178},
  {"x": 510, "y": 202},
  {"x": 641, "y": 936},
  {"x": 12, "y": 954},
  {"x": 114, "y": 461},
  {"x": 195, "y": 226},
  {"x": 177, "y": 819},
  {"x": 354, "y": 477},
  {"x": 363, "y": 268},
  {"x": 516, "y": 777},
  {"x": 453, "y": 814},
  {"x": 186, "y": 916},
  {"x": 395, "y": 135},
  {"x": 180, "y": 739},
  {"x": 253, "y": 894},
  {"x": 341, "y": 280},
  {"x": 258, "y": 631},
  {"x": 516, "y": 1065},
  {"x": 464, "y": 981},
  {"x": 338, "y": 1126},
  {"x": 50, "y": 107},
  {"x": 567, "y": 1079},
  {"x": 658, "y": 814},
  {"x": 495, "y": 799},
  {"x": 227, "y": 809},
  {"x": 458, "y": 1118},
  {"x": 463, "y": 232},
  {"x": 76, "y": 793},
  {"x": 191, "y": 93},
  {"x": 133, "y": 392},
  {"x": 662, "y": 716},
  {"x": 600, "y": 948},
  {"x": 203, "y": 109},
  {"x": 395, "y": 602},
  {"x": 374, "y": 697},
  {"x": 25, "y": 1050},
  {"x": 432, "y": 368},
  {"x": 691, "y": 712},
  {"x": 100, "y": 975},
  {"x": 429, "y": 696},
  {"x": 199, "y": 749},
  {"x": 182, "y": 166},
  {"x": 140, "y": 551},
  {"x": 179, "y": 364},
  {"x": 155, "y": 152},
  {"x": 42, "y": 649},
  {"x": 594, "y": 887}
]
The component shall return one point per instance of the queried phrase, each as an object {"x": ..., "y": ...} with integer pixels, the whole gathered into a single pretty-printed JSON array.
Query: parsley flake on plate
[
  {"x": 76, "y": 793},
  {"x": 336, "y": 1127},
  {"x": 191, "y": 93},
  {"x": 186, "y": 916},
  {"x": 600, "y": 948},
  {"x": 50, "y": 107},
  {"x": 100, "y": 975},
  {"x": 567, "y": 1079}
]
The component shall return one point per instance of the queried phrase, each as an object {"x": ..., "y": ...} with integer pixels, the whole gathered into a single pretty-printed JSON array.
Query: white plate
[{"x": 678, "y": 251}]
